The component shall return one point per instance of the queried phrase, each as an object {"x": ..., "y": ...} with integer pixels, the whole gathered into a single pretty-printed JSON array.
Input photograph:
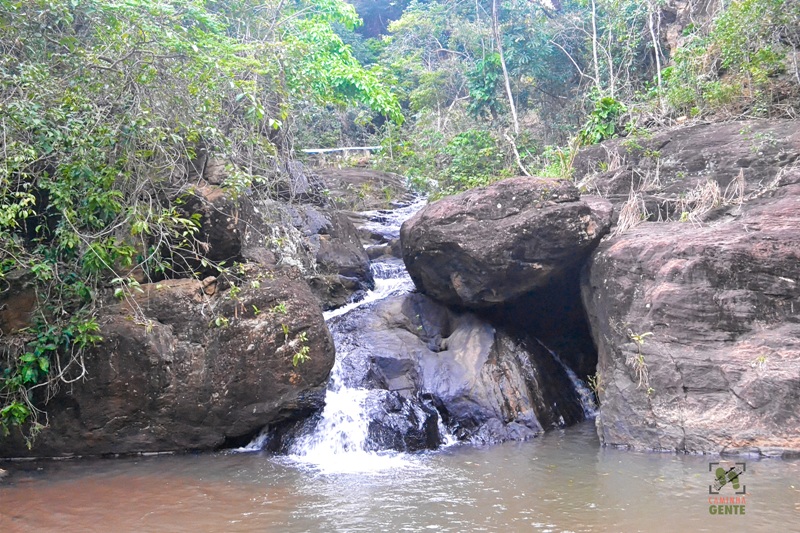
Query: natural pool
[{"x": 563, "y": 481}]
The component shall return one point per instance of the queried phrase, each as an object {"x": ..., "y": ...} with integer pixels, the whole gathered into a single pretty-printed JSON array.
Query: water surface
[{"x": 562, "y": 481}]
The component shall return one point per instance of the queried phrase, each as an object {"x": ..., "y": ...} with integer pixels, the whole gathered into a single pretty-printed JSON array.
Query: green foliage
[
  {"x": 475, "y": 160},
  {"x": 106, "y": 108},
  {"x": 603, "y": 122},
  {"x": 483, "y": 81},
  {"x": 732, "y": 66}
]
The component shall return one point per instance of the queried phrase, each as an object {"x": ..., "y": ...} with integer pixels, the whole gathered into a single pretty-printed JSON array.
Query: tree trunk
[{"x": 498, "y": 40}]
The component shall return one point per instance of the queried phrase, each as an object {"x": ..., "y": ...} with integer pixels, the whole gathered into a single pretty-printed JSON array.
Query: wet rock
[
  {"x": 489, "y": 246},
  {"x": 181, "y": 370},
  {"x": 697, "y": 329},
  {"x": 415, "y": 347},
  {"x": 398, "y": 423},
  {"x": 385, "y": 251}
]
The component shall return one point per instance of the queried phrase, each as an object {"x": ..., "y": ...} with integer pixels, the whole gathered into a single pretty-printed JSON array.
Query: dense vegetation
[
  {"x": 492, "y": 88},
  {"x": 107, "y": 107}
]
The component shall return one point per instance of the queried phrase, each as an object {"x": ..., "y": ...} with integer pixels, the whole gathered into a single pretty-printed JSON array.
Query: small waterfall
[
  {"x": 340, "y": 441},
  {"x": 391, "y": 279},
  {"x": 586, "y": 395},
  {"x": 362, "y": 424}
]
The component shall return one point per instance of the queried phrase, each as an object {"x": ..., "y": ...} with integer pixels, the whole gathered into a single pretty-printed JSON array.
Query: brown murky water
[{"x": 561, "y": 482}]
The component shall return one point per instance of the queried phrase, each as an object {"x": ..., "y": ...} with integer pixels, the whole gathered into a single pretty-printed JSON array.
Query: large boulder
[
  {"x": 698, "y": 329},
  {"x": 191, "y": 364},
  {"x": 489, "y": 385},
  {"x": 491, "y": 245}
]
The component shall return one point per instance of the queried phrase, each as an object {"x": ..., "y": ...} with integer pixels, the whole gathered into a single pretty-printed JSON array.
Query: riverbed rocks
[
  {"x": 489, "y": 385},
  {"x": 340, "y": 266},
  {"x": 361, "y": 189},
  {"x": 192, "y": 365},
  {"x": 489, "y": 246},
  {"x": 697, "y": 324}
]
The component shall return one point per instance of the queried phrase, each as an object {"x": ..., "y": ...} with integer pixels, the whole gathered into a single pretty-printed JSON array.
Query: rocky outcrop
[
  {"x": 191, "y": 364},
  {"x": 399, "y": 423},
  {"x": 361, "y": 189},
  {"x": 491, "y": 245},
  {"x": 670, "y": 171},
  {"x": 320, "y": 241},
  {"x": 341, "y": 266},
  {"x": 489, "y": 386},
  {"x": 697, "y": 325}
]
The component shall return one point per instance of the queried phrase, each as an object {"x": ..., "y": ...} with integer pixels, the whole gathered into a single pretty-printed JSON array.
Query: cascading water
[
  {"x": 340, "y": 440},
  {"x": 584, "y": 393},
  {"x": 393, "y": 389}
]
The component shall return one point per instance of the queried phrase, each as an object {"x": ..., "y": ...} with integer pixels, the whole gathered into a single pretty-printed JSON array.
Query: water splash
[{"x": 391, "y": 279}]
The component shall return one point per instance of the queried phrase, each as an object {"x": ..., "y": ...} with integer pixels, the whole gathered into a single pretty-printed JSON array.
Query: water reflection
[{"x": 560, "y": 482}]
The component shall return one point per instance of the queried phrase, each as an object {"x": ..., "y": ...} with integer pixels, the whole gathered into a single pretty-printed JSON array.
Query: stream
[{"x": 334, "y": 479}]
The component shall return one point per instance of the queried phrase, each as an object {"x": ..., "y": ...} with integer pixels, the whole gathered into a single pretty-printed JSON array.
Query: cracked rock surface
[{"x": 698, "y": 329}]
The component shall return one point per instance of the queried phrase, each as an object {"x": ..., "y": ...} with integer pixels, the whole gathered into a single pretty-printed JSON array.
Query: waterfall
[
  {"x": 368, "y": 421},
  {"x": 340, "y": 440},
  {"x": 584, "y": 393}
]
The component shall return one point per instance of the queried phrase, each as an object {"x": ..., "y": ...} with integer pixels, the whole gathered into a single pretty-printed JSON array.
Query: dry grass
[
  {"x": 734, "y": 192},
  {"x": 633, "y": 212},
  {"x": 695, "y": 205}
]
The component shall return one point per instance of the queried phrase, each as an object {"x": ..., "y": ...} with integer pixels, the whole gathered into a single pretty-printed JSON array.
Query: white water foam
[
  {"x": 388, "y": 282},
  {"x": 339, "y": 443}
]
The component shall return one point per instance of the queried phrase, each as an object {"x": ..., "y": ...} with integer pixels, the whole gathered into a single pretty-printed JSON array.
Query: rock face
[
  {"x": 400, "y": 423},
  {"x": 192, "y": 365},
  {"x": 489, "y": 385},
  {"x": 698, "y": 328},
  {"x": 491, "y": 245},
  {"x": 340, "y": 263},
  {"x": 363, "y": 189},
  {"x": 323, "y": 241},
  {"x": 666, "y": 167}
]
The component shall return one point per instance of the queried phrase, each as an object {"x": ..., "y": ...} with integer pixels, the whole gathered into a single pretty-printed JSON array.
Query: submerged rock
[
  {"x": 698, "y": 329},
  {"x": 491, "y": 245}
]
